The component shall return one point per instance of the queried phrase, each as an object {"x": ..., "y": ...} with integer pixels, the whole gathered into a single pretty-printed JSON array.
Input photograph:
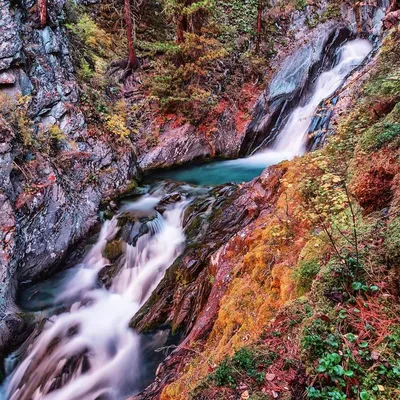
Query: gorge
[{"x": 211, "y": 249}]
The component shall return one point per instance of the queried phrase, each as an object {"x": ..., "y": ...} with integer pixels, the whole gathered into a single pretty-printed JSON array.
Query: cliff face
[{"x": 54, "y": 170}]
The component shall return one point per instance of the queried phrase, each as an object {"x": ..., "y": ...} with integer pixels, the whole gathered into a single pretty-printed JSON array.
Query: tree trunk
[
  {"x": 133, "y": 63},
  {"x": 259, "y": 15},
  {"x": 42, "y": 13},
  {"x": 180, "y": 29}
]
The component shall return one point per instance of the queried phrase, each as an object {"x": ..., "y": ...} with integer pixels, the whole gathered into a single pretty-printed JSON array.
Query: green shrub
[
  {"x": 224, "y": 375},
  {"x": 244, "y": 362}
]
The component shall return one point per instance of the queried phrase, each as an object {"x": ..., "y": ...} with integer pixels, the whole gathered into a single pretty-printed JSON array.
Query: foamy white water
[
  {"x": 291, "y": 141},
  {"x": 97, "y": 323},
  {"x": 293, "y": 137}
]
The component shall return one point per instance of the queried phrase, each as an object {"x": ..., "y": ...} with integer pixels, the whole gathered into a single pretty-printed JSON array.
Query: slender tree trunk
[
  {"x": 133, "y": 63},
  {"x": 180, "y": 29},
  {"x": 259, "y": 15},
  {"x": 42, "y": 13}
]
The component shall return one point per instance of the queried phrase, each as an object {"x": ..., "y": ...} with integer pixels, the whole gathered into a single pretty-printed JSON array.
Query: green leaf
[
  {"x": 374, "y": 288},
  {"x": 321, "y": 368},
  {"x": 356, "y": 285},
  {"x": 335, "y": 358},
  {"x": 365, "y": 395},
  {"x": 351, "y": 337},
  {"x": 363, "y": 344},
  {"x": 349, "y": 373},
  {"x": 338, "y": 369}
]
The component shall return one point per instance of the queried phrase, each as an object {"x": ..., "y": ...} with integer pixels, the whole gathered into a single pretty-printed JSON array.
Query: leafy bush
[
  {"x": 244, "y": 361},
  {"x": 116, "y": 122},
  {"x": 224, "y": 375}
]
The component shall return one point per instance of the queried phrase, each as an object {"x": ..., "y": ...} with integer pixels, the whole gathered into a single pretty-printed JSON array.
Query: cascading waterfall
[
  {"x": 291, "y": 140},
  {"x": 89, "y": 351}
]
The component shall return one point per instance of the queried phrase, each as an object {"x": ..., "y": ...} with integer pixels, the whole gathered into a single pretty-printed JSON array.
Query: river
[{"x": 82, "y": 347}]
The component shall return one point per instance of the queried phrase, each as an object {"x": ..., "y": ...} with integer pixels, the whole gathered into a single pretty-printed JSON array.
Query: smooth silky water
[{"x": 83, "y": 347}]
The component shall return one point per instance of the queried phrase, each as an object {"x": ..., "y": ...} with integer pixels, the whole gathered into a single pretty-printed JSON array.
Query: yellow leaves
[
  {"x": 117, "y": 121},
  {"x": 92, "y": 35},
  {"x": 116, "y": 124}
]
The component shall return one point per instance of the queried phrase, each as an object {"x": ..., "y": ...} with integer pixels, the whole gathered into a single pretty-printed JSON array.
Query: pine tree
[
  {"x": 259, "y": 18},
  {"x": 133, "y": 62}
]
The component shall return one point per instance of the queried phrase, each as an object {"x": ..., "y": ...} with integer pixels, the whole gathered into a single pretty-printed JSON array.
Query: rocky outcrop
[{"x": 50, "y": 190}]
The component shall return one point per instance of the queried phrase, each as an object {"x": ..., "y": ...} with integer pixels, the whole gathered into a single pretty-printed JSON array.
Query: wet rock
[
  {"x": 176, "y": 146},
  {"x": 171, "y": 199},
  {"x": 291, "y": 83},
  {"x": 113, "y": 250}
]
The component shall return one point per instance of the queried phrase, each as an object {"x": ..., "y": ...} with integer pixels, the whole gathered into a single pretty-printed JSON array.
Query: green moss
[
  {"x": 392, "y": 240},
  {"x": 305, "y": 274},
  {"x": 300, "y": 5},
  {"x": 383, "y": 133}
]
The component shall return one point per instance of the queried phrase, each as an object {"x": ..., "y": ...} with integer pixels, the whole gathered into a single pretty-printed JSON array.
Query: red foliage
[{"x": 373, "y": 187}]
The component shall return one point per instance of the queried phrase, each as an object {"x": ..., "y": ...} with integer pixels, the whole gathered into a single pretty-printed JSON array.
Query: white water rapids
[
  {"x": 97, "y": 323},
  {"x": 88, "y": 350}
]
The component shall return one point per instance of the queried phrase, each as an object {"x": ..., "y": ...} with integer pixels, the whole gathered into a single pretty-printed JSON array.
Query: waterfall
[
  {"x": 292, "y": 139},
  {"x": 89, "y": 351}
]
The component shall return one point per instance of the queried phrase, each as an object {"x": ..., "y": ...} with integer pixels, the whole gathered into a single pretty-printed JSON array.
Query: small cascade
[
  {"x": 293, "y": 137},
  {"x": 88, "y": 351},
  {"x": 292, "y": 140}
]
